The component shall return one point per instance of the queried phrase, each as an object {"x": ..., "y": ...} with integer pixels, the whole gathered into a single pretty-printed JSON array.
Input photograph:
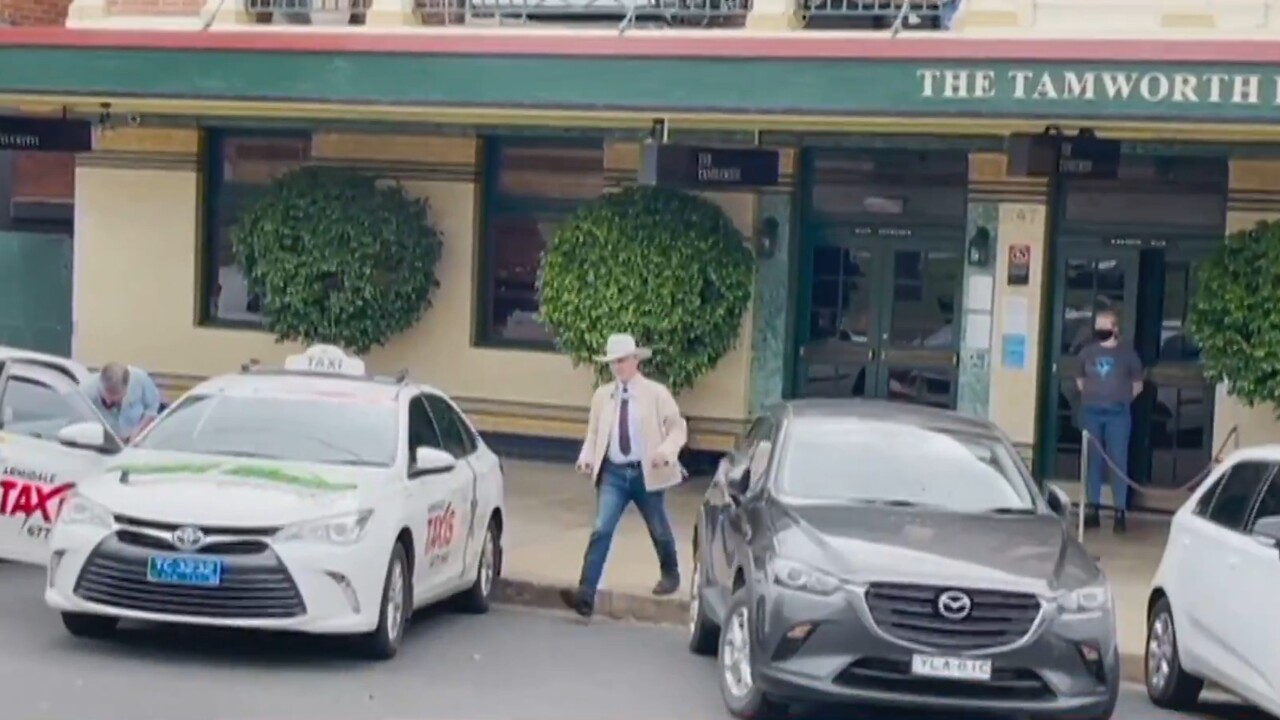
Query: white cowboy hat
[{"x": 620, "y": 346}]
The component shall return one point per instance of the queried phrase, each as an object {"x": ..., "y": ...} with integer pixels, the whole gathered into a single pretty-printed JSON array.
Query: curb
[{"x": 674, "y": 611}]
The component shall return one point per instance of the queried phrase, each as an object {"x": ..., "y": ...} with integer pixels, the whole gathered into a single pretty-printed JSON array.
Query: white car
[
  {"x": 314, "y": 499},
  {"x": 1212, "y": 609}
]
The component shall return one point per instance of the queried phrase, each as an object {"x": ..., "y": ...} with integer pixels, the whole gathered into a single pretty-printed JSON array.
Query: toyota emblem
[
  {"x": 187, "y": 538},
  {"x": 955, "y": 605}
]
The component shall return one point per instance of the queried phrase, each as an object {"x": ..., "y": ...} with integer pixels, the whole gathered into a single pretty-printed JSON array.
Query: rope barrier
[{"x": 1090, "y": 444}]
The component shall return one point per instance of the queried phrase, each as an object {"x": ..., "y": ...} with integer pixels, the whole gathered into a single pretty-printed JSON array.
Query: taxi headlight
[
  {"x": 340, "y": 530},
  {"x": 80, "y": 510},
  {"x": 1084, "y": 601},
  {"x": 800, "y": 577}
]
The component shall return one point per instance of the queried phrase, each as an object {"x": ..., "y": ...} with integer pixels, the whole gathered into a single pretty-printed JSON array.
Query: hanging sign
[
  {"x": 45, "y": 134},
  {"x": 694, "y": 167}
]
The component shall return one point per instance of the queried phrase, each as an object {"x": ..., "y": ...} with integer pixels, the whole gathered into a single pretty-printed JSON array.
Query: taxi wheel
[
  {"x": 488, "y": 567},
  {"x": 397, "y": 606},
  {"x": 89, "y": 626}
]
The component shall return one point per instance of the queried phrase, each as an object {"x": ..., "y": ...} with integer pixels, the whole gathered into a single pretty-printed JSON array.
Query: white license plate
[{"x": 973, "y": 669}]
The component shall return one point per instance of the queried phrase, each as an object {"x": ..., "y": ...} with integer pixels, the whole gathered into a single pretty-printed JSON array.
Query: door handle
[
  {"x": 804, "y": 350},
  {"x": 955, "y": 359}
]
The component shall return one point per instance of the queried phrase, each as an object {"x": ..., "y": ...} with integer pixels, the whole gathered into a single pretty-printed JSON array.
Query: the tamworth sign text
[{"x": 1155, "y": 87}]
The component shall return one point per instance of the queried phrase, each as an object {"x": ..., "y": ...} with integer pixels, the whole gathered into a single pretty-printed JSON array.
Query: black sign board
[
  {"x": 692, "y": 167},
  {"x": 1088, "y": 156},
  {"x": 1047, "y": 155},
  {"x": 45, "y": 134}
]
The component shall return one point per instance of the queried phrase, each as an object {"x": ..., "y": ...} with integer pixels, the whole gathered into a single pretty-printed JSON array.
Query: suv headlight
[
  {"x": 340, "y": 530},
  {"x": 1084, "y": 601},
  {"x": 795, "y": 576},
  {"x": 80, "y": 510}
]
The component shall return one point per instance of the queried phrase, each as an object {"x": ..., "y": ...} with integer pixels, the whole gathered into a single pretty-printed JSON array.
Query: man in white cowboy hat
[{"x": 634, "y": 437}]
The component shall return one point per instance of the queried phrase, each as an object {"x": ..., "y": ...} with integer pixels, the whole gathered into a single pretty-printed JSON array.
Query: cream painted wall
[
  {"x": 128, "y": 214},
  {"x": 1013, "y": 391}
]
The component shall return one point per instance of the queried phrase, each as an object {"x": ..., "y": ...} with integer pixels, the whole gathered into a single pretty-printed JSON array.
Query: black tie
[{"x": 624, "y": 426}]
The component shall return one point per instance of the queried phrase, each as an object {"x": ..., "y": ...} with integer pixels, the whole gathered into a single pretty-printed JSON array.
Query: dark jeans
[
  {"x": 1109, "y": 425},
  {"x": 619, "y": 485}
]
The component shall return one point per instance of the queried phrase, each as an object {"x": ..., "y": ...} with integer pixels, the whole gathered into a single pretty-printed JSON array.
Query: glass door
[
  {"x": 1089, "y": 278},
  {"x": 920, "y": 340},
  {"x": 840, "y": 348},
  {"x": 1173, "y": 442}
]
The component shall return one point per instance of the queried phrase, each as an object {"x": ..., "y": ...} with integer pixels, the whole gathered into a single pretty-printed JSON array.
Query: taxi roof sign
[{"x": 328, "y": 359}]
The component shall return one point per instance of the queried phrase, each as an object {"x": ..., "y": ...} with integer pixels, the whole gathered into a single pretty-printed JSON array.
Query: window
[
  {"x": 239, "y": 166},
  {"x": 422, "y": 429},
  {"x": 454, "y": 431},
  {"x": 1239, "y": 488},
  {"x": 37, "y": 410},
  {"x": 338, "y": 430},
  {"x": 1268, "y": 504},
  {"x": 531, "y": 188},
  {"x": 834, "y": 460}
]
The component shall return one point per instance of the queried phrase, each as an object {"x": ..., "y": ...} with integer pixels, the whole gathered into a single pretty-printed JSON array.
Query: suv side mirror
[
  {"x": 84, "y": 435},
  {"x": 431, "y": 461},
  {"x": 1058, "y": 499},
  {"x": 1267, "y": 531}
]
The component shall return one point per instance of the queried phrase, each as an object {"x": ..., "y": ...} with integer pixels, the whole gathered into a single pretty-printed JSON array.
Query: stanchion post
[{"x": 1084, "y": 483}]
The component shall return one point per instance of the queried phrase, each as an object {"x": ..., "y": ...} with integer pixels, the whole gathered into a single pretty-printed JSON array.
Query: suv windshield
[
  {"x": 901, "y": 465},
  {"x": 298, "y": 428}
]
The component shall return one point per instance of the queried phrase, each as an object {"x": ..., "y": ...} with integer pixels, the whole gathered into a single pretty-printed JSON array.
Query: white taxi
[{"x": 314, "y": 498}]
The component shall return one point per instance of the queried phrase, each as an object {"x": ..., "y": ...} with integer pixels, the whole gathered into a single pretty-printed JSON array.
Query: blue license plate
[{"x": 184, "y": 570}]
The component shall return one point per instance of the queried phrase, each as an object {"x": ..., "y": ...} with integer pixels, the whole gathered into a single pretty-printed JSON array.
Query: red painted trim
[{"x": 673, "y": 44}]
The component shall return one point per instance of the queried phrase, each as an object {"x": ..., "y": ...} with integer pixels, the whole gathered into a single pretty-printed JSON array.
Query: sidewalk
[{"x": 550, "y": 512}]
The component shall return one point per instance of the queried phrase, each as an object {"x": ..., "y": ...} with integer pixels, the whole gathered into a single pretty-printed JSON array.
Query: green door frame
[{"x": 1090, "y": 243}]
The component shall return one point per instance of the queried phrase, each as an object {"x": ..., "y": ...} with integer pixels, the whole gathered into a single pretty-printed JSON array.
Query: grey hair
[{"x": 114, "y": 374}]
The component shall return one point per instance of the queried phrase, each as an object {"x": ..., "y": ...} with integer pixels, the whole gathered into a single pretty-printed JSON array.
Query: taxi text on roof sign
[{"x": 325, "y": 359}]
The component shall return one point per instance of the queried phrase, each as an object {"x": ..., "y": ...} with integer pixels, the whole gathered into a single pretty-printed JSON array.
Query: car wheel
[
  {"x": 704, "y": 635},
  {"x": 476, "y": 598},
  {"x": 397, "y": 606},
  {"x": 742, "y": 694},
  {"x": 1168, "y": 685},
  {"x": 89, "y": 626}
]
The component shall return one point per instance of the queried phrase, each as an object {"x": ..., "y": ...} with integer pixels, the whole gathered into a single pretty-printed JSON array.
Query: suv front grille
[{"x": 910, "y": 613}]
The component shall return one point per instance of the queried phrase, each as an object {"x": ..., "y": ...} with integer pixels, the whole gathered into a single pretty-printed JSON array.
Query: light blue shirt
[
  {"x": 633, "y": 425},
  {"x": 141, "y": 402}
]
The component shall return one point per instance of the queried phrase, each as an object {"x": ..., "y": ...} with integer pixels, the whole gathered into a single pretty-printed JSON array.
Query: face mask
[{"x": 1103, "y": 334}]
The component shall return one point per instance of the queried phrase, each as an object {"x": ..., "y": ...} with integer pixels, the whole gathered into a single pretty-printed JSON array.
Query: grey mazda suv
[{"x": 858, "y": 552}]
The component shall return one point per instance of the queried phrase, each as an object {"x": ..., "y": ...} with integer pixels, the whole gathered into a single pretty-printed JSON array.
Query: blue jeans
[
  {"x": 619, "y": 485},
  {"x": 1109, "y": 425}
]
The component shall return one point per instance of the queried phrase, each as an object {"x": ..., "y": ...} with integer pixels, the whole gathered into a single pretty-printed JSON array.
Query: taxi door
[
  {"x": 438, "y": 507},
  {"x": 457, "y": 489},
  {"x": 37, "y": 472}
]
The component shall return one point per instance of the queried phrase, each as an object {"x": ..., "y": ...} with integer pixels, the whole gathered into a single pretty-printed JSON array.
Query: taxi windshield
[{"x": 297, "y": 428}]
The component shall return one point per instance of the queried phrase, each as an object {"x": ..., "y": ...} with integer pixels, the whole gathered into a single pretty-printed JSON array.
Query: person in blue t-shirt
[
  {"x": 126, "y": 397},
  {"x": 1111, "y": 376}
]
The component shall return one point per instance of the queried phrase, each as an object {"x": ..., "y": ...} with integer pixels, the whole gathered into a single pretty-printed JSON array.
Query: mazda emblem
[
  {"x": 955, "y": 605},
  {"x": 187, "y": 538}
]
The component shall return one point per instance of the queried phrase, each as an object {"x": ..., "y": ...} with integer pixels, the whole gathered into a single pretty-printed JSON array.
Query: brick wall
[
  {"x": 34, "y": 12},
  {"x": 48, "y": 177}
]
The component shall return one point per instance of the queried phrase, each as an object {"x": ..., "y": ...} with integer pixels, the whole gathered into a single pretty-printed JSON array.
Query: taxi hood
[{"x": 222, "y": 492}]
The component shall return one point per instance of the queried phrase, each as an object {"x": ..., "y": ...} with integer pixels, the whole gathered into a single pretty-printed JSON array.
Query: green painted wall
[
  {"x": 1051, "y": 90},
  {"x": 35, "y": 292}
]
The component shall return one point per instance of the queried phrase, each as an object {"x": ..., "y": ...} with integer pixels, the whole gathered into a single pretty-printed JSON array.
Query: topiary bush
[
  {"x": 666, "y": 266},
  {"x": 338, "y": 256},
  {"x": 1235, "y": 315}
]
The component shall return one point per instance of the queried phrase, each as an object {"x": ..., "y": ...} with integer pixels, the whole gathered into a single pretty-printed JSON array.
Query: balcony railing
[
  {"x": 627, "y": 13},
  {"x": 307, "y": 12},
  {"x": 865, "y": 14}
]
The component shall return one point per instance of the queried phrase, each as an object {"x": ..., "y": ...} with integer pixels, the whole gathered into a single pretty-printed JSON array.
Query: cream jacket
[{"x": 663, "y": 430}]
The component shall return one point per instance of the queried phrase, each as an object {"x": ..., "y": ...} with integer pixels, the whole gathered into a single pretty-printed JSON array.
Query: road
[{"x": 509, "y": 665}]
